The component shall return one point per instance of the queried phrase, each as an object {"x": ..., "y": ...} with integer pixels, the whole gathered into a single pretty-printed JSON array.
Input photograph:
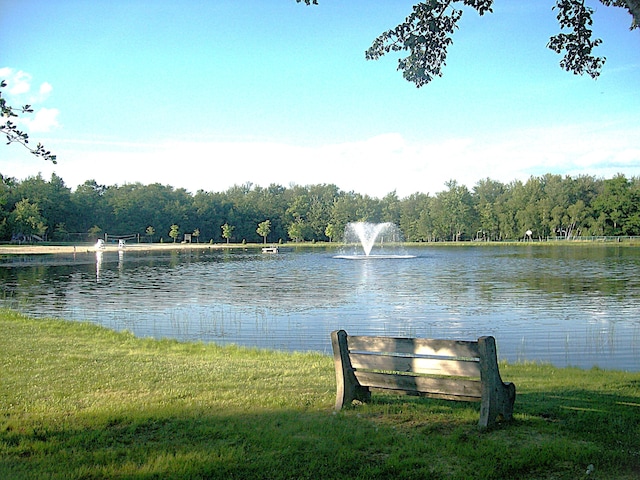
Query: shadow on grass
[
  {"x": 284, "y": 444},
  {"x": 553, "y": 435}
]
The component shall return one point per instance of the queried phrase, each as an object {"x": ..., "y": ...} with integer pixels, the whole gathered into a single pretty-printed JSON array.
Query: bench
[{"x": 448, "y": 369}]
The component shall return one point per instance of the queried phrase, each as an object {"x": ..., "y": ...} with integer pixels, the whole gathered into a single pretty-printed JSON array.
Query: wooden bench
[{"x": 449, "y": 369}]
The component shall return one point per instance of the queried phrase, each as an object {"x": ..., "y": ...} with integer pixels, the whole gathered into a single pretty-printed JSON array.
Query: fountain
[{"x": 366, "y": 234}]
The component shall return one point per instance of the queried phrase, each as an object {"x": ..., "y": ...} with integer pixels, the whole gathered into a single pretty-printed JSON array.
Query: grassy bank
[{"x": 80, "y": 401}]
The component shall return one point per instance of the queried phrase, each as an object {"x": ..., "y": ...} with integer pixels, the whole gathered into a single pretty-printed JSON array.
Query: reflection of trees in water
[
  {"x": 581, "y": 281},
  {"x": 281, "y": 285},
  {"x": 245, "y": 281},
  {"x": 538, "y": 280},
  {"x": 27, "y": 286}
]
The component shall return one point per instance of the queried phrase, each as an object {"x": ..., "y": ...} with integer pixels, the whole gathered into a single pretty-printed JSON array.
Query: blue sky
[{"x": 208, "y": 94}]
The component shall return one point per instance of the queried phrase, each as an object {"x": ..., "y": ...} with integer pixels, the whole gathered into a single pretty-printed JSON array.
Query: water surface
[{"x": 573, "y": 305}]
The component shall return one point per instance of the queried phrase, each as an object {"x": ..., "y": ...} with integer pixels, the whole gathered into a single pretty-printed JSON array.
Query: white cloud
[
  {"x": 18, "y": 87},
  {"x": 19, "y": 83},
  {"x": 375, "y": 166},
  {"x": 45, "y": 90},
  {"x": 44, "y": 120}
]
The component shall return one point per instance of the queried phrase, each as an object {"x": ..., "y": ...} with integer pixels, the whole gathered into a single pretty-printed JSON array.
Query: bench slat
[
  {"x": 470, "y": 390},
  {"x": 418, "y": 346},
  {"x": 433, "y": 366}
]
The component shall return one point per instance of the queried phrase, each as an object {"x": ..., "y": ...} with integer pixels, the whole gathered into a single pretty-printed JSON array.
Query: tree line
[{"x": 543, "y": 207}]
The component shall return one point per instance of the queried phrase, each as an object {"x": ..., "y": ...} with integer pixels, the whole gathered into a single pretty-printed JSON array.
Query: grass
[{"x": 81, "y": 401}]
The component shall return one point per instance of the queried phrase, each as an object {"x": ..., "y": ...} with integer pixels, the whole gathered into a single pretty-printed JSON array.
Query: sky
[{"x": 205, "y": 95}]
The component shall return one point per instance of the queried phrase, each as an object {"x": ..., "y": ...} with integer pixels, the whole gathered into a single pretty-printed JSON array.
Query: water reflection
[
  {"x": 569, "y": 306},
  {"x": 99, "y": 254}
]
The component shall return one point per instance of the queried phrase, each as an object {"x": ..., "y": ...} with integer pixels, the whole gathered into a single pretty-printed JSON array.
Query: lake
[{"x": 568, "y": 305}]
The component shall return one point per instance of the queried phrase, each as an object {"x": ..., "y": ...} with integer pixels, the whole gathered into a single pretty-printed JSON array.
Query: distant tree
[
  {"x": 331, "y": 231},
  {"x": 426, "y": 224},
  {"x": 60, "y": 232},
  {"x": 427, "y": 33},
  {"x": 150, "y": 232},
  {"x": 577, "y": 214},
  {"x": 296, "y": 231},
  {"x": 94, "y": 232},
  {"x": 454, "y": 208},
  {"x": 89, "y": 207},
  {"x": 207, "y": 212},
  {"x": 264, "y": 229},
  {"x": 27, "y": 220},
  {"x": 528, "y": 214},
  {"x": 486, "y": 195},
  {"x": 321, "y": 199},
  {"x": 618, "y": 202},
  {"x": 411, "y": 210},
  {"x": 134, "y": 206},
  {"x": 227, "y": 231},
  {"x": 174, "y": 232},
  {"x": 7, "y": 185},
  {"x": 52, "y": 197},
  {"x": 11, "y": 131},
  {"x": 390, "y": 208}
]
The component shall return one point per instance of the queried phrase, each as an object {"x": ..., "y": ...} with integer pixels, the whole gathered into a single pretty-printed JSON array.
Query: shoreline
[
  {"x": 88, "y": 248},
  {"x": 12, "y": 249}
]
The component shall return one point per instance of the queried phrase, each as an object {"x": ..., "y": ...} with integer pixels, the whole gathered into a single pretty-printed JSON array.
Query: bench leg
[
  {"x": 347, "y": 386},
  {"x": 498, "y": 403},
  {"x": 497, "y": 397}
]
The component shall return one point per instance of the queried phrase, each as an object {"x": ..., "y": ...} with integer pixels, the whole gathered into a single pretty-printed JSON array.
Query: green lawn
[{"x": 80, "y": 401}]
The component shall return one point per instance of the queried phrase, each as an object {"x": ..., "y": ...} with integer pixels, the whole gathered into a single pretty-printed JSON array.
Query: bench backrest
[{"x": 448, "y": 369}]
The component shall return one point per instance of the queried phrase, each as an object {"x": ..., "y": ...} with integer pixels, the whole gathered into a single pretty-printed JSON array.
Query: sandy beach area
[{"x": 50, "y": 249}]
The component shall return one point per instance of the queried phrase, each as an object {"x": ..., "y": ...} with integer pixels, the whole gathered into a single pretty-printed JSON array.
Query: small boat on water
[{"x": 271, "y": 249}]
